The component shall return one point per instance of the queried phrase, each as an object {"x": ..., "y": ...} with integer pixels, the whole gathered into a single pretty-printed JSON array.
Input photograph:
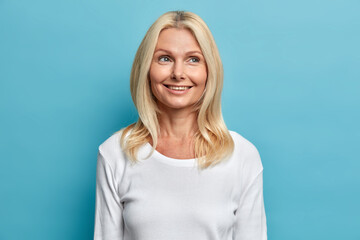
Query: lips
[{"x": 177, "y": 88}]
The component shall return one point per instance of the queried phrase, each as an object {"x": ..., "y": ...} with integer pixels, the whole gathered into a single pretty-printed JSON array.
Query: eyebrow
[{"x": 190, "y": 52}]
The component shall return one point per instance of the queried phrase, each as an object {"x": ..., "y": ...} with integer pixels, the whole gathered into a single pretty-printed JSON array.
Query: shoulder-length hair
[{"x": 212, "y": 141}]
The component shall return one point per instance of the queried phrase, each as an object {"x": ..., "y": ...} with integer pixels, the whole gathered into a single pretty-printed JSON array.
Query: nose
[{"x": 178, "y": 71}]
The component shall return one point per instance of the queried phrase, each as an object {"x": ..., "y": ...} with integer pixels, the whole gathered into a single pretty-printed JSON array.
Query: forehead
[{"x": 174, "y": 38}]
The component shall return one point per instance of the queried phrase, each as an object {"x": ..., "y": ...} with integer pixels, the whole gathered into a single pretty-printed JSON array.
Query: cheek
[
  {"x": 158, "y": 74},
  {"x": 155, "y": 78},
  {"x": 152, "y": 76},
  {"x": 199, "y": 76},
  {"x": 154, "y": 88}
]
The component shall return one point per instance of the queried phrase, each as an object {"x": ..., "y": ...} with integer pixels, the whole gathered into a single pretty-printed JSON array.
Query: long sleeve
[
  {"x": 108, "y": 209},
  {"x": 250, "y": 216}
]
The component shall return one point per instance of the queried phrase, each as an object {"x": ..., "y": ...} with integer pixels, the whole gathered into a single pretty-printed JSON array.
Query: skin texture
[{"x": 177, "y": 61}]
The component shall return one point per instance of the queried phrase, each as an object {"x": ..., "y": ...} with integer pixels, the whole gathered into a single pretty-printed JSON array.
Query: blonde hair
[{"x": 212, "y": 142}]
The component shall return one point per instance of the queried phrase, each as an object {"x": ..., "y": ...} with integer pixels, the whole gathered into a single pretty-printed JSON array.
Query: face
[{"x": 178, "y": 70}]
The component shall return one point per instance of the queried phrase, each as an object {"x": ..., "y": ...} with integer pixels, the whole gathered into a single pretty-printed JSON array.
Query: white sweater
[{"x": 163, "y": 198}]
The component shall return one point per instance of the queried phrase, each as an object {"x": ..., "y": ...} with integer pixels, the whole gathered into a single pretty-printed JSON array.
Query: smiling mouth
[{"x": 178, "y": 88}]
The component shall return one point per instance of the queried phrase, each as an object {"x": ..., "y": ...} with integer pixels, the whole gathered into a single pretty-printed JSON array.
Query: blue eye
[
  {"x": 194, "y": 58},
  {"x": 164, "y": 59}
]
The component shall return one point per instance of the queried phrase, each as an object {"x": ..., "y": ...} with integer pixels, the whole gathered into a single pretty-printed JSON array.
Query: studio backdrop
[{"x": 291, "y": 87}]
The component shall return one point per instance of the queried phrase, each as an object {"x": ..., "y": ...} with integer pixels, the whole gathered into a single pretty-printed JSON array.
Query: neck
[{"x": 178, "y": 124}]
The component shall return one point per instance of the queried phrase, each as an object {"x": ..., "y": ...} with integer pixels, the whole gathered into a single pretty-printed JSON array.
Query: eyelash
[{"x": 197, "y": 59}]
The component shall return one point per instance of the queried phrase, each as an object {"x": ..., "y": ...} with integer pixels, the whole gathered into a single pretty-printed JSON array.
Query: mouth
[{"x": 178, "y": 88}]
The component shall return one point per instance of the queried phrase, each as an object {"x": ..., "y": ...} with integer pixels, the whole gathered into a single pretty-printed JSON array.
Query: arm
[
  {"x": 108, "y": 209},
  {"x": 250, "y": 216}
]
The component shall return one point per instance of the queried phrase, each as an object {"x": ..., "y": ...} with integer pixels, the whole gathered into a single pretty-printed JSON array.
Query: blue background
[{"x": 292, "y": 84}]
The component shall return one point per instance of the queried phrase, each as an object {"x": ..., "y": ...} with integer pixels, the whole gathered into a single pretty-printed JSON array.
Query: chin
[{"x": 179, "y": 106}]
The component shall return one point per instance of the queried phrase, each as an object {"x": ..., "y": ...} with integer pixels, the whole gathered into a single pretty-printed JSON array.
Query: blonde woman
[{"x": 178, "y": 173}]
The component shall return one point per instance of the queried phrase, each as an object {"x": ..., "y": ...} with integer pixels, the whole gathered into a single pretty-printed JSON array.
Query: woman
[{"x": 178, "y": 173}]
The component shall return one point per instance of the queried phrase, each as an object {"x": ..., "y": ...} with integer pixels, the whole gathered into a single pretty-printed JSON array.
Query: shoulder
[
  {"x": 110, "y": 146},
  {"x": 111, "y": 151},
  {"x": 241, "y": 143},
  {"x": 246, "y": 152}
]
